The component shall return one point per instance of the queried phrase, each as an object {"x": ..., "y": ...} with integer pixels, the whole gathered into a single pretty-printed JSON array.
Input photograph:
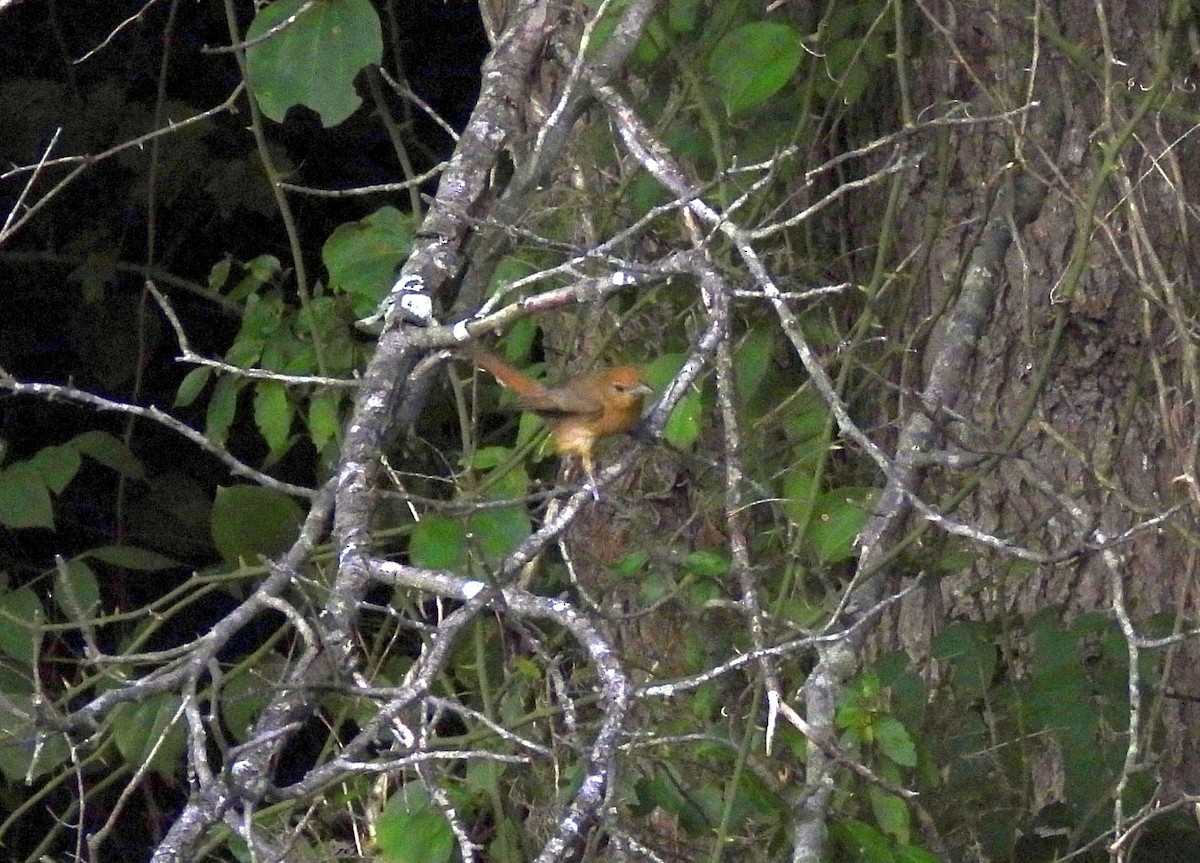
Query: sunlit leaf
[
  {"x": 891, "y": 814},
  {"x": 24, "y": 498},
  {"x": 20, "y": 612},
  {"x": 438, "y": 542},
  {"x": 362, "y": 257},
  {"x": 312, "y": 60},
  {"x": 109, "y": 451},
  {"x": 753, "y": 62},
  {"x": 273, "y": 415},
  {"x": 248, "y": 521}
]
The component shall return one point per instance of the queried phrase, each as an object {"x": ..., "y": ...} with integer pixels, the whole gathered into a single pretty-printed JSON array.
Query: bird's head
[{"x": 625, "y": 386}]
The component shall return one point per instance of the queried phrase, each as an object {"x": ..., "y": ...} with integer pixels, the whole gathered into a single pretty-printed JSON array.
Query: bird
[{"x": 579, "y": 411}]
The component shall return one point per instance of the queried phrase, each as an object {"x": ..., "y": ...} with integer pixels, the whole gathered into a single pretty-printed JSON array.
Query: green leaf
[
  {"x": 496, "y": 532},
  {"x": 967, "y": 648},
  {"x": 438, "y": 542},
  {"x": 248, "y": 521},
  {"x": 682, "y": 15},
  {"x": 139, "y": 728},
  {"x": 799, "y": 492},
  {"x": 76, "y": 590},
  {"x": 24, "y": 498},
  {"x": 257, "y": 273},
  {"x": 242, "y": 698},
  {"x": 838, "y": 517},
  {"x": 753, "y": 62},
  {"x": 323, "y": 420},
  {"x": 915, "y": 854},
  {"x": 408, "y": 833},
  {"x": 222, "y": 408},
  {"x": 110, "y": 451},
  {"x": 20, "y": 613},
  {"x": 863, "y": 843},
  {"x": 312, "y": 61},
  {"x": 631, "y": 565},
  {"x": 752, "y": 361},
  {"x": 488, "y": 457},
  {"x": 261, "y": 321},
  {"x": 891, "y": 814},
  {"x": 362, "y": 256},
  {"x": 846, "y": 65},
  {"x": 19, "y": 743},
  {"x": 132, "y": 557},
  {"x": 709, "y": 564},
  {"x": 505, "y": 846},
  {"x": 894, "y": 741},
  {"x": 683, "y": 426},
  {"x": 57, "y": 466},
  {"x": 219, "y": 274},
  {"x": 273, "y": 415},
  {"x": 193, "y": 384}
]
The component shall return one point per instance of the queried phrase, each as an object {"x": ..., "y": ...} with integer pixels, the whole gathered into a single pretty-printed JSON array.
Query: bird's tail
[{"x": 515, "y": 380}]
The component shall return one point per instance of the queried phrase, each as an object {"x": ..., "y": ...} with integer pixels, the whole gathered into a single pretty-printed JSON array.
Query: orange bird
[{"x": 580, "y": 411}]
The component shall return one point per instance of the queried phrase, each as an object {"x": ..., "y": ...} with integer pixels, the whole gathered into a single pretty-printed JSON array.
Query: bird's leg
[{"x": 589, "y": 468}]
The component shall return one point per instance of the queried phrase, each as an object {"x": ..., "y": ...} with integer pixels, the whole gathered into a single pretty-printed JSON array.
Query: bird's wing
[{"x": 560, "y": 402}]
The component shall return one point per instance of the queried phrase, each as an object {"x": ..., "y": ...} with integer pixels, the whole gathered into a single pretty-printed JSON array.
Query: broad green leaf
[
  {"x": 751, "y": 361},
  {"x": 438, "y": 542},
  {"x": 518, "y": 341},
  {"x": 248, "y": 521},
  {"x": 631, "y": 565},
  {"x": 799, "y": 492},
  {"x": 683, "y": 14},
  {"x": 362, "y": 257},
  {"x": 915, "y": 854},
  {"x": 131, "y": 557},
  {"x": 139, "y": 728},
  {"x": 57, "y": 466},
  {"x": 24, "y": 498},
  {"x": 19, "y": 742},
  {"x": 408, "y": 832},
  {"x": 846, "y": 64},
  {"x": 20, "y": 612},
  {"x": 753, "y": 62},
  {"x": 505, "y": 846},
  {"x": 193, "y": 384},
  {"x": 864, "y": 843},
  {"x": 242, "y": 698},
  {"x": 489, "y": 457},
  {"x": 967, "y": 648},
  {"x": 652, "y": 588},
  {"x": 272, "y": 415},
  {"x": 654, "y": 42},
  {"x": 261, "y": 320},
  {"x": 683, "y": 426},
  {"x": 496, "y": 532},
  {"x": 222, "y": 407},
  {"x": 109, "y": 451},
  {"x": 257, "y": 273},
  {"x": 891, "y": 814},
  {"x": 76, "y": 590},
  {"x": 312, "y": 60},
  {"x": 838, "y": 517},
  {"x": 323, "y": 420},
  {"x": 219, "y": 274},
  {"x": 707, "y": 563},
  {"x": 894, "y": 741}
]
